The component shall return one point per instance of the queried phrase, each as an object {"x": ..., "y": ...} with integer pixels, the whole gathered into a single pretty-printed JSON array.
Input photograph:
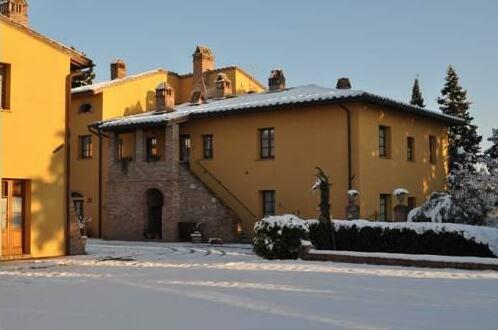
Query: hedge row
[{"x": 396, "y": 240}]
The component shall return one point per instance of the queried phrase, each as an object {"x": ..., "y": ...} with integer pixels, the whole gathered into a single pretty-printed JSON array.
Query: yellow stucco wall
[
  {"x": 377, "y": 175},
  {"x": 32, "y": 133},
  {"x": 303, "y": 140},
  {"x": 314, "y": 137}
]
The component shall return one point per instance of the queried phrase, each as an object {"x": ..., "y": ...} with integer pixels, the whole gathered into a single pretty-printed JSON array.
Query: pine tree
[
  {"x": 492, "y": 152},
  {"x": 463, "y": 148},
  {"x": 417, "y": 98},
  {"x": 86, "y": 78}
]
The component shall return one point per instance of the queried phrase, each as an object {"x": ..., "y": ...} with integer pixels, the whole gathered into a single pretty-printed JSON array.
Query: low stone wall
[{"x": 314, "y": 255}]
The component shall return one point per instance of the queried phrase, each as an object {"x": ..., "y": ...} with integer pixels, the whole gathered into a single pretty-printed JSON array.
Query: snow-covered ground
[{"x": 180, "y": 286}]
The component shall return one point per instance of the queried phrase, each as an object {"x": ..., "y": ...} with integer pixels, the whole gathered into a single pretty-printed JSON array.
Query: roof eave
[
  {"x": 345, "y": 99},
  {"x": 121, "y": 128}
]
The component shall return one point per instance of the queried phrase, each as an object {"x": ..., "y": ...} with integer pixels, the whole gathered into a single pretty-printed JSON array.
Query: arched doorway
[{"x": 154, "y": 214}]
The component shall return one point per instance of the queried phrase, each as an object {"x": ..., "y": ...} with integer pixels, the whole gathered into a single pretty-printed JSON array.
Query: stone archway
[{"x": 154, "y": 213}]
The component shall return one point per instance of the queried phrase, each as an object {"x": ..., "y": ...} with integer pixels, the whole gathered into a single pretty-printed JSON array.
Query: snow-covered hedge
[
  {"x": 417, "y": 238},
  {"x": 279, "y": 237}
]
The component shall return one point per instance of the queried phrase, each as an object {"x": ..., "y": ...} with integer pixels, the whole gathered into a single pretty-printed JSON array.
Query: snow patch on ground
[{"x": 135, "y": 285}]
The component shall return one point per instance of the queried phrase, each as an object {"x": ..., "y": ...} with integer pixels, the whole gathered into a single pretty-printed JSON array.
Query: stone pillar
[
  {"x": 139, "y": 145},
  {"x": 401, "y": 210},
  {"x": 171, "y": 208}
]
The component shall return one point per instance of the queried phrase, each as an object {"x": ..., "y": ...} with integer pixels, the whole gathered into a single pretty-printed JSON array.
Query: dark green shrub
[{"x": 279, "y": 237}]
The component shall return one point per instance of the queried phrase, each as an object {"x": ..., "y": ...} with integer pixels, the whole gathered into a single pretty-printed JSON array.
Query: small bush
[{"x": 279, "y": 237}]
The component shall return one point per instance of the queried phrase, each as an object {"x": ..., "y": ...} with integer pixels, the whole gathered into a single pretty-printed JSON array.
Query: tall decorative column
[{"x": 171, "y": 208}]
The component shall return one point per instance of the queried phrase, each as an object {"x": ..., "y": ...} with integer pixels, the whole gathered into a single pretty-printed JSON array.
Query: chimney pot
[
  {"x": 343, "y": 83},
  {"x": 118, "y": 69},
  {"x": 276, "y": 81},
  {"x": 223, "y": 86},
  {"x": 165, "y": 97}
]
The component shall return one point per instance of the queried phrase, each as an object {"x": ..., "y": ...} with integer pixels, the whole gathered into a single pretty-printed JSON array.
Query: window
[
  {"x": 85, "y": 107},
  {"x": 384, "y": 207},
  {"x": 119, "y": 150},
  {"x": 86, "y": 147},
  {"x": 412, "y": 203},
  {"x": 152, "y": 150},
  {"x": 184, "y": 148},
  {"x": 384, "y": 143},
  {"x": 267, "y": 142},
  {"x": 4, "y": 86},
  {"x": 208, "y": 146},
  {"x": 268, "y": 201},
  {"x": 410, "y": 149},
  {"x": 432, "y": 149}
]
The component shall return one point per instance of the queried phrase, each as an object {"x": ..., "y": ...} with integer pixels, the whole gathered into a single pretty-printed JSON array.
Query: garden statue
[
  {"x": 352, "y": 210},
  {"x": 401, "y": 210}
]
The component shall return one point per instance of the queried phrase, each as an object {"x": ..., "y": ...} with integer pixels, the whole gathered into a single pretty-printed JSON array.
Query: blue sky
[{"x": 381, "y": 45}]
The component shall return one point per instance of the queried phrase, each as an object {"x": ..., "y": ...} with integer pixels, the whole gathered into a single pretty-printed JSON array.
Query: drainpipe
[
  {"x": 350, "y": 174},
  {"x": 100, "y": 135}
]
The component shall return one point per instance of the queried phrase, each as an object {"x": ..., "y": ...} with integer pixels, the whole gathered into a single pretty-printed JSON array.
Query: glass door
[{"x": 12, "y": 217}]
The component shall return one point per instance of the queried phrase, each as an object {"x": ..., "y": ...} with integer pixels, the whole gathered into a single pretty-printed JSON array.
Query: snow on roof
[
  {"x": 268, "y": 101},
  {"x": 94, "y": 88}
]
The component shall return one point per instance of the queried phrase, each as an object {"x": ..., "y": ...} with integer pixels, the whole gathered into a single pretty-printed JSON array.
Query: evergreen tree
[
  {"x": 463, "y": 148},
  {"x": 417, "y": 98},
  {"x": 325, "y": 239},
  {"x": 86, "y": 78},
  {"x": 491, "y": 155},
  {"x": 492, "y": 152}
]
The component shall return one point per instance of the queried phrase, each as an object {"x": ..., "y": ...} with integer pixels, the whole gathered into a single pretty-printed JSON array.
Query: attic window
[{"x": 85, "y": 107}]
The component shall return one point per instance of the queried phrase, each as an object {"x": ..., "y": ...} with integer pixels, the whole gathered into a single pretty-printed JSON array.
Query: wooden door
[{"x": 13, "y": 217}]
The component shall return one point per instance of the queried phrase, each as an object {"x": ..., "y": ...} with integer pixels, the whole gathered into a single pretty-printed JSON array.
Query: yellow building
[
  {"x": 124, "y": 95},
  {"x": 33, "y": 136},
  {"x": 256, "y": 154}
]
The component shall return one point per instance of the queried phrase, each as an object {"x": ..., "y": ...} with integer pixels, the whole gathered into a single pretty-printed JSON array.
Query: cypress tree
[
  {"x": 325, "y": 239},
  {"x": 417, "y": 98},
  {"x": 463, "y": 148}
]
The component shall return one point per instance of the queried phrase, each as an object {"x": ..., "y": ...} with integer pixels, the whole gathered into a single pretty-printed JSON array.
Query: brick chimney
[
  {"x": 118, "y": 69},
  {"x": 203, "y": 60},
  {"x": 276, "y": 81},
  {"x": 165, "y": 97},
  {"x": 17, "y": 10},
  {"x": 223, "y": 86},
  {"x": 343, "y": 83}
]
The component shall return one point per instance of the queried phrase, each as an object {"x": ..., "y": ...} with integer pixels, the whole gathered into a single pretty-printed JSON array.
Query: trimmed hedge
[
  {"x": 280, "y": 237},
  {"x": 396, "y": 240}
]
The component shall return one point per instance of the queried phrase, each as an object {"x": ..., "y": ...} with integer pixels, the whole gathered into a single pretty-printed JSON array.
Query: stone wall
[{"x": 186, "y": 198}]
